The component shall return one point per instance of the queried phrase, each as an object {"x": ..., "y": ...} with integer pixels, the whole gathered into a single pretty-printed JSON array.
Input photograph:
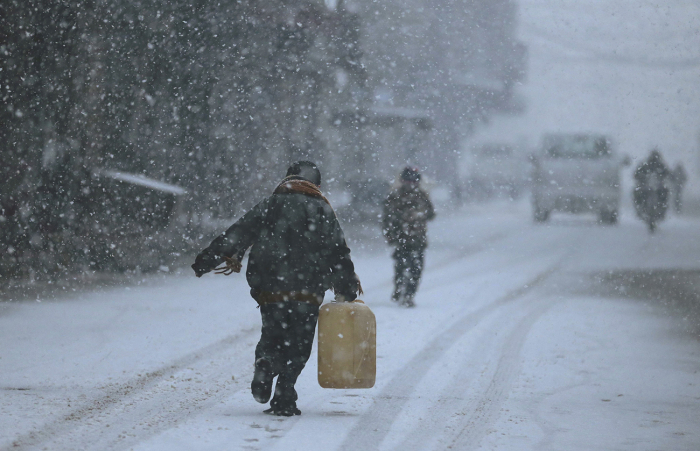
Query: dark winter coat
[
  {"x": 296, "y": 245},
  {"x": 406, "y": 213}
]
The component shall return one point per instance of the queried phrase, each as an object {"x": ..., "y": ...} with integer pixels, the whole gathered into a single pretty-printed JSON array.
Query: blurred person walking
[
  {"x": 406, "y": 213},
  {"x": 678, "y": 178},
  {"x": 297, "y": 252}
]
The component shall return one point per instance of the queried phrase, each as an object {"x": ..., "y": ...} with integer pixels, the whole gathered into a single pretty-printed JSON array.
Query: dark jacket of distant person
[{"x": 407, "y": 211}]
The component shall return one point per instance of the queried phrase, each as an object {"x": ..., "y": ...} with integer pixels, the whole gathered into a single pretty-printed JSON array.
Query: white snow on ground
[{"x": 508, "y": 348}]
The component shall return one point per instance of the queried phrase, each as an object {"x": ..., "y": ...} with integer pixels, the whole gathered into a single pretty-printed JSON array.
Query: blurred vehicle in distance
[
  {"x": 576, "y": 173},
  {"x": 494, "y": 170}
]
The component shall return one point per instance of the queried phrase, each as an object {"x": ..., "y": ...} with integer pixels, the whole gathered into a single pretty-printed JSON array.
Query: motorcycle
[{"x": 651, "y": 200}]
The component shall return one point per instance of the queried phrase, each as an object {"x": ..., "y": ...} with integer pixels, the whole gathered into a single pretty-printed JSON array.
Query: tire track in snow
[
  {"x": 479, "y": 387},
  {"x": 108, "y": 421},
  {"x": 486, "y": 410},
  {"x": 374, "y": 426},
  {"x": 452, "y": 412},
  {"x": 458, "y": 255}
]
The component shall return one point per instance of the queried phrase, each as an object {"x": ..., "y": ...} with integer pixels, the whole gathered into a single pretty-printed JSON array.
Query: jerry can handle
[{"x": 339, "y": 299}]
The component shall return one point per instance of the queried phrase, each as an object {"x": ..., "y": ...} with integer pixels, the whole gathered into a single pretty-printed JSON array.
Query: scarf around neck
[{"x": 293, "y": 185}]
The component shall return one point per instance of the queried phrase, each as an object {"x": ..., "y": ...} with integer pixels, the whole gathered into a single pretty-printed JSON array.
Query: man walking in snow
[
  {"x": 404, "y": 223},
  {"x": 297, "y": 252}
]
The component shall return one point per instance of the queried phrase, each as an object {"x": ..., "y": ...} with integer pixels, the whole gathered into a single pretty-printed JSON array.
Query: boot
[
  {"x": 408, "y": 302},
  {"x": 396, "y": 296},
  {"x": 262, "y": 381},
  {"x": 287, "y": 411}
]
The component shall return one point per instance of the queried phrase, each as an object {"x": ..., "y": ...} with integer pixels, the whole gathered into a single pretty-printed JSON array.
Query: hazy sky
[{"x": 630, "y": 68}]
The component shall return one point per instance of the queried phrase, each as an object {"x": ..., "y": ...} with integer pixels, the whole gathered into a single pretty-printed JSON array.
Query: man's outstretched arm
[{"x": 234, "y": 242}]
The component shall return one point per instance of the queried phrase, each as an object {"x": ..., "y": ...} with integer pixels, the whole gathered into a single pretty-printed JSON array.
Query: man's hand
[
  {"x": 230, "y": 266},
  {"x": 345, "y": 298}
]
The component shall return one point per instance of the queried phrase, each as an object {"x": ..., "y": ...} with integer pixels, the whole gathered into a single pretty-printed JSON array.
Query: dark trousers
[
  {"x": 288, "y": 330},
  {"x": 408, "y": 267}
]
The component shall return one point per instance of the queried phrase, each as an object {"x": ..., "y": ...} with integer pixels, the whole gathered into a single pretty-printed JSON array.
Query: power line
[{"x": 593, "y": 55}]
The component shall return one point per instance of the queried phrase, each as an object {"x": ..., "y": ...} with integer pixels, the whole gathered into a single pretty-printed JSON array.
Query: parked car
[
  {"x": 577, "y": 173},
  {"x": 494, "y": 170},
  {"x": 134, "y": 221}
]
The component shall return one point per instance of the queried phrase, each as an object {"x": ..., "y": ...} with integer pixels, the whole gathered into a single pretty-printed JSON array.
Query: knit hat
[
  {"x": 305, "y": 170},
  {"x": 410, "y": 174}
]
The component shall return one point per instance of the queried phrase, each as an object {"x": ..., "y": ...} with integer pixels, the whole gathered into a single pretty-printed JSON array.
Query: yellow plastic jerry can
[{"x": 347, "y": 345}]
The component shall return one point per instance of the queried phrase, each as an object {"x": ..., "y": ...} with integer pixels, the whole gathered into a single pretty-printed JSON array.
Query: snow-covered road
[{"x": 525, "y": 337}]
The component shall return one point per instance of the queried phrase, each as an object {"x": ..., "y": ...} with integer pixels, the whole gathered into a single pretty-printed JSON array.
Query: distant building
[{"x": 431, "y": 72}]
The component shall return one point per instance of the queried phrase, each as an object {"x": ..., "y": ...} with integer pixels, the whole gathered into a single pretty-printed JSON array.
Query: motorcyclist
[{"x": 651, "y": 192}]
